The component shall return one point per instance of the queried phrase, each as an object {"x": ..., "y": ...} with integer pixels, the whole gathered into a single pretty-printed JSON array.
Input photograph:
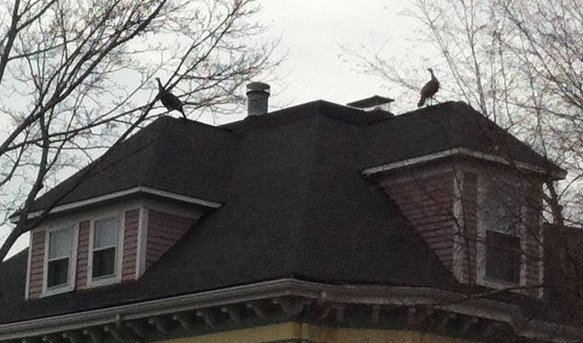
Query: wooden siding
[
  {"x": 130, "y": 244},
  {"x": 533, "y": 254},
  {"x": 37, "y": 256},
  {"x": 82, "y": 255},
  {"x": 428, "y": 203},
  {"x": 468, "y": 231},
  {"x": 164, "y": 230}
]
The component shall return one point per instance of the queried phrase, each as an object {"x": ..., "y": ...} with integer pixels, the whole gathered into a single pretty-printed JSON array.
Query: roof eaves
[
  {"x": 121, "y": 194},
  {"x": 464, "y": 152},
  {"x": 357, "y": 294}
]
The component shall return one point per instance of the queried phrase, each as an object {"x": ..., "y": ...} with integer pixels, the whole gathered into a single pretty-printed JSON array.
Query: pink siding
[
  {"x": 130, "y": 244},
  {"x": 164, "y": 230},
  {"x": 82, "y": 255},
  {"x": 36, "y": 263},
  {"x": 468, "y": 230},
  {"x": 428, "y": 203}
]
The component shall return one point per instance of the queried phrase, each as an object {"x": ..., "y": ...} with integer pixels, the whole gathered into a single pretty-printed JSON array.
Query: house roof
[
  {"x": 169, "y": 151},
  {"x": 161, "y": 156},
  {"x": 294, "y": 202},
  {"x": 443, "y": 127}
]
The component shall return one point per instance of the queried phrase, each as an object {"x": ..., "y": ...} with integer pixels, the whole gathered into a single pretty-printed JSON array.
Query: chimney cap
[
  {"x": 258, "y": 87},
  {"x": 257, "y": 98},
  {"x": 373, "y": 101}
]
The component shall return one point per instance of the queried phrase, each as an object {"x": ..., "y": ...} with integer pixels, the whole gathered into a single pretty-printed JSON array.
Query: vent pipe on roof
[{"x": 257, "y": 98}]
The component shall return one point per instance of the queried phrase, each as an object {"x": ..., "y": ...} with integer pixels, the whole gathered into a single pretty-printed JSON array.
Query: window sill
[
  {"x": 103, "y": 281},
  {"x": 498, "y": 284},
  {"x": 56, "y": 290}
]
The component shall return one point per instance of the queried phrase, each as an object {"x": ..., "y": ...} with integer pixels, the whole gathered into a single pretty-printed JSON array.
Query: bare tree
[
  {"x": 521, "y": 64},
  {"x": 77, "y": 77},
  {"x": 517, "y": 62}
]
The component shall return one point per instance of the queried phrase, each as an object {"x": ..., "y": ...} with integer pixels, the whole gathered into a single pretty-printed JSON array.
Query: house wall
[
  {"x": 426, "y": 199},
  {"x": 38, "y": 245},
  {"x": 82, "y": 255},
  {"x": 130, "y": 244},
  {"x": 149, "y": 230},
  {"x": 36, "y": 271},
  {"x": 164, "y": 230},
  {"x": 442, "y": 202},
  {"x": 300, "y": 332},
  {"x": 468, "y": 228},
  {"x": 530, "y": 229}
]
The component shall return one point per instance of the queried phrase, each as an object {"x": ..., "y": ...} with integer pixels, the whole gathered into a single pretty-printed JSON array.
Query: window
[
  {"x": 502, "y": 257},
  {"x": 502, "y": 220},
  {"x": 59, "y": 258},
  {"x": 105, "y": 238},
  {"x": 501, "y": 207}
]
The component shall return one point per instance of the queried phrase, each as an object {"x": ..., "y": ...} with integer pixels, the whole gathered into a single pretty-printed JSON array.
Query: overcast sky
[{"x": 315, "y": 35}]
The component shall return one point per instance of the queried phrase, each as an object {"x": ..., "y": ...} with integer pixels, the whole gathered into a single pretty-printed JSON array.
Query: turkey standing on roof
[
  {"x": 169, "y": 100},
  {"x": 429, "y": 90}
]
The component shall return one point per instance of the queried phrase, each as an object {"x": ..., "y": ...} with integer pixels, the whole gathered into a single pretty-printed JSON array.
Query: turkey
[
  {"x": 429, "y": 90},
  {"x": 169, "y": 100}
]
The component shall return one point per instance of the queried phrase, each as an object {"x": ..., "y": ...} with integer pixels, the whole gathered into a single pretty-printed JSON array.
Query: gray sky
[{"x": 315, "y": 34}]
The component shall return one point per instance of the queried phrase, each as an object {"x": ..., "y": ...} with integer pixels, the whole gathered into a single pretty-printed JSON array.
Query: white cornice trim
[
  {"x": 459, "y": 152},
  {"x": 131, "y": 191},
  {"x": 523, "y": 324}
]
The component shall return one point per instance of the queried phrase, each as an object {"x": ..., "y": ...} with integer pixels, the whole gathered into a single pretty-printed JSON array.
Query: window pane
[
  {"x": 103, "y": 262},
  {"x": 502, "y": 257},
  {"x": 501, "y": 207},
  {"x": 58, "y": 272},
  {"x": 60, "y": 243},
  {"x": 105, "y": 233}
]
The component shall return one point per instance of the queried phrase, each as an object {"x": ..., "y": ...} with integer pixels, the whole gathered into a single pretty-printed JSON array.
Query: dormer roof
[{"x": 169, "y": 157}]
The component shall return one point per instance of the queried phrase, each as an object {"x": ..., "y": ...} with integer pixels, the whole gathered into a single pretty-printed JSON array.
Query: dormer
[
  {"x": 111, "y": 221},
  {"x": 105, "y": 245},
  {"x": 478, "y": 203}
]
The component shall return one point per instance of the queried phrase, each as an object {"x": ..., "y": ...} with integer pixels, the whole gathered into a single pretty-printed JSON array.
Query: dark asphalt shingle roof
[
  {"x": 294, "y": 203},
  {"x": 445, "y": 126},
  {"x": 183, "y": 157}
]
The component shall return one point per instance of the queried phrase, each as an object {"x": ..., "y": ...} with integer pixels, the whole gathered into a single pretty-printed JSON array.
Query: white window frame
[
  {"x": 481, "y": 257},
  {"x": 70, "y": 285},
  {"x": 116, "y": 277}
]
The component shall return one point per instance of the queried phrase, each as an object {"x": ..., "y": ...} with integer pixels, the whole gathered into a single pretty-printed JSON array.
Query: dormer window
[
  {"x": 59, "y": 259},
  {"x": 502, "y": 257},
  {"x": 104, "y": 257},
  {"x": 501, "y": 227}
]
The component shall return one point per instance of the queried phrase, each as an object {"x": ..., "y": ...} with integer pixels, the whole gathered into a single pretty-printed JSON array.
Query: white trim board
[
  {"x": 456, "y": 152},
  {"x": 115, "y": 195}
]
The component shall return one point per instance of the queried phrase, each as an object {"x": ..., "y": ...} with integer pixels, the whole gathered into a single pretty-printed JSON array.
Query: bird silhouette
[
  {"x": 169, "y": 100},
  {"x": 429, "y": 89}
]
